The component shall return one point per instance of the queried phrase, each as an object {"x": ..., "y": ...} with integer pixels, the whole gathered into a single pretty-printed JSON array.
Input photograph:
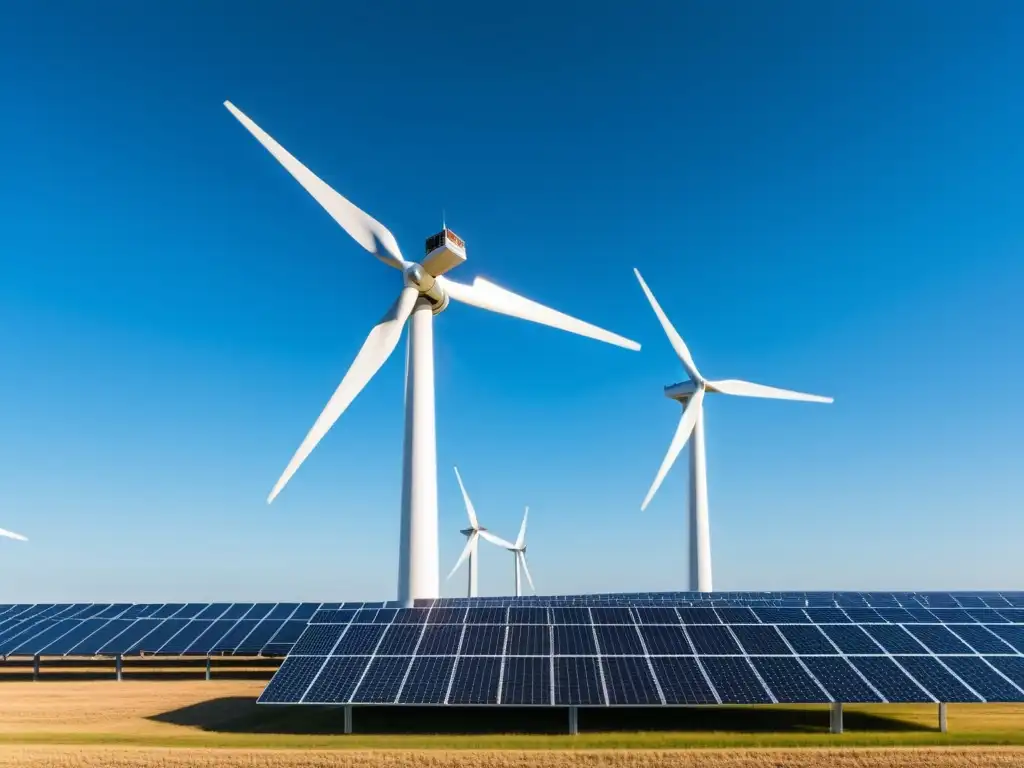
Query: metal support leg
[
  {"x": 835, "y": 720},
  {"x": 574, "y": 721},
  {"x": 942, "y": 717},
  {"x": 209, "y": 671},
  {"x": 35, "y": 668},
  {"x": 348, "y": 718},
  {"x": 117, "y": 667}
]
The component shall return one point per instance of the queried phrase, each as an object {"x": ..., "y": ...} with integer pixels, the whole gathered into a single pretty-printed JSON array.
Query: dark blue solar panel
[
  {"x": 125, "y": 641},
  {"x": 337, "y": 680},
  {"x": 712, "y": 640},
  {"x": 762, "y": 640},
  {"x": 577, "y": 681},
  {"x": 808, "y": 639},
  {"x": 851, "y": 639},
  {"x": 289, "y": 633},
  {"x": 259, "y": 637},
  {"x": 952, "y": 616},
  {"x": 526, "y": 680},
  {"x": 304, "y": 611},
  {"x": 781, "y": 615},
  {"x": 665, "y": 640},
  {"x": 411, "y": 616},
  {"x": 359, "y": 640},
  {"x": 365, "y": 616},
  {"x": 618, "y": 640},
  {"x": 332, "y": 617},
  {"x": 30, "y": 642},
  {"x": 486, "y": 616},
  {"x": 611, "y": 615},
  {"x": 1012, "y": 615},
  {"x": 259, "y": 611},
  {"x": 699, "y": 616},
  {"x": 986, "y": 616},
  {"x": 936, "y": 678},
  {"x": 840, "y": 679},
  {"x": 738, "y": 615},
  {"x": 735, "y": 681},
  {"x": 826, "y": 615},
  {"x": 234, "y": 636},
  {"x": 212, "y": 611},
  {"x": 475, "y": 680},
  {"x": 237, "y": 611},
  {"x": 894, "y": 639},
  {"x": 206, "y": 641},
  {"x": 190, "y": 611},
  {"x": 318, "y": 639},
  {"x": 166, "y": 611},
  {"x": 573, "y": 640},
  {"x": 183, "y": 639},
  {"x": 440, "y": 640},
  {"x": 891, "y": 681},
  {"x": 629, "y": 681},
  {"x": 427, "y": 681},
  {"x": 154, "y": 640},
  {"x": 483, "y": 640},
  {"x": 529, "y": 640},
  {"x": 1014, "y": 635},
  {"x": 788, "y": 680},
  {"x": 382, "y": 681},
  {"x": 682, "y": 681},
  {"x": 1011, "y": 666},
  {"x": 522, "y": 615},
  {"x": 291, "y": 680},
  {"x": 980, "y": 639},
  {"x": 984, "y": 679},
  {"x": 90, "y": 645},
  {"x": 896, "y": 616},
  {"x": 400, "y": 639},
  {"x": 657, "y": 615},
  {"x": 938, "y": 639},
  {"x": 115, "y": 610},
  {"x": 66, "y": 642}
]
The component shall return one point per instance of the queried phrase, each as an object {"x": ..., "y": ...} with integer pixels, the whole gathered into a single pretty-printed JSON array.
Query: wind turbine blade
[
  {"x": 673, "y": 335},
  {"x": 522, "y": 530},
  {"x": 497, "y": 540},
  {"x": 487, "y": 295},
  {"x": 522, "y": 561},
  {"x": 682, "y": 434},
  {"x": 375, "y": 351},
  {"x": 470, "y": 511},
  {"x": 750, "y": 389},
  {"x": 465, "y": 553},
  {"x": 364, "y": 229},
  {"x": 12, "y": 535}
]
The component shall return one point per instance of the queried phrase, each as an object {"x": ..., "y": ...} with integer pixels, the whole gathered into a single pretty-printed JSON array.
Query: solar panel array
[
  {"x": 169, "y": 629},
  {"x": 662, "y": 649}
]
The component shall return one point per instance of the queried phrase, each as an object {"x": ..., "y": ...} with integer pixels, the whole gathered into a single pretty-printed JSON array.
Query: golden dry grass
[{"x": 142, "y": 757}]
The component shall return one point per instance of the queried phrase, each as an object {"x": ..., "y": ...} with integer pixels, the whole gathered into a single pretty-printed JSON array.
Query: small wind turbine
[
  {"x": 518, "y": 551},
  {"x": 425, "y": 292},
  {"x": 691, "y": 394},
  {"x": 474, "y": 533},
  {"x": 12, "y": 535}
]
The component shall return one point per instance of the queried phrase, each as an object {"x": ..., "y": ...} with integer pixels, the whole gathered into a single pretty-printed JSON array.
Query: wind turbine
[
  {"x": 518, "y": 551},
  {"x": 425, "y": 292},
  {"x": 12, "y": 535},
  {"x": 690, "y": 394},
  {"x": 474, "y": 533}
]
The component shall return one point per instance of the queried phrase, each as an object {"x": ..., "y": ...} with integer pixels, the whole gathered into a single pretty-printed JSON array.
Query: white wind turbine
[
  {"x": 518, "y": 551},
  {"x": 12, "y": 535},
  {"x": 425, "y": 292},
  {"x": 691, "y": 394},
  {"x": 474, "y": 533}
]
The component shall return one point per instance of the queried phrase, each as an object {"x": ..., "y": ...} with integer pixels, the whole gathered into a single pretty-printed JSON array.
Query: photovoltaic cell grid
[
  {"x": 663, "y": 649},
  {"x": 167, "y": 629}
]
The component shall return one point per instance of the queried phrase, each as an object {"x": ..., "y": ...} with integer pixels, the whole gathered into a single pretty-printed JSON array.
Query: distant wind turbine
[
  {"x": 691, "y": 394},
  {"x": 474, "y": 533},
  {"x": 518, "y": 551}
]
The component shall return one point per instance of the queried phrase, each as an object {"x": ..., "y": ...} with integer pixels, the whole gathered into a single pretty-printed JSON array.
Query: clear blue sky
[{"x": 827, "y": 197}]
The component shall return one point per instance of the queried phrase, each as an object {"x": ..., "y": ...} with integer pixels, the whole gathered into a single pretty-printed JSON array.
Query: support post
[
  {"x": 700, "y": 526},
  {"x": 35, "y": 668},
  {"x": 348, "y": 718},
  {"x": 418, "y": 575},
  {"x": 117, "y": 667},
  {"x": 835, "y": 720},
  {"x": 574, "y": 721},
  {"x": 209, "y": 674},
  {"x": 942, "y": 717}
]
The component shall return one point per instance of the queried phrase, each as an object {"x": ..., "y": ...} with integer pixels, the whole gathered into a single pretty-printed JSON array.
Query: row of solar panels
[
  {"x": 112, "y": 629},
  {"x": 657, "y": 639},
  {"x": 780, "y": 599},
  {"x": 643, "y": 681},
  {"x": 666, "y": 615}
]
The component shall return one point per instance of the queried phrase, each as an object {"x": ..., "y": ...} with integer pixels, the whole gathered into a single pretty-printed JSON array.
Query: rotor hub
[{"x": 416, "y": 276}]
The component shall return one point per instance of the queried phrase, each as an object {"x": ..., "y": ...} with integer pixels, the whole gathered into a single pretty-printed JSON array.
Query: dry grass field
[{"x": 171, "y": 723}]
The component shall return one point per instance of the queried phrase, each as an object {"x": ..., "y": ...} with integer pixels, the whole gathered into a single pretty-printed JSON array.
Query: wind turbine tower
[
  {"x": 425, "y": 292},
  {"x": 690, "y": 394},
  {"x": 473, "y": 535}
]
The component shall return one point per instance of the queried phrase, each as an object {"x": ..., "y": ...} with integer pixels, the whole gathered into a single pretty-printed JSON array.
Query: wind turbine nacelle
[
  {"x": 684, "y": 390},
  {"x": 444, "y": 251}
]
